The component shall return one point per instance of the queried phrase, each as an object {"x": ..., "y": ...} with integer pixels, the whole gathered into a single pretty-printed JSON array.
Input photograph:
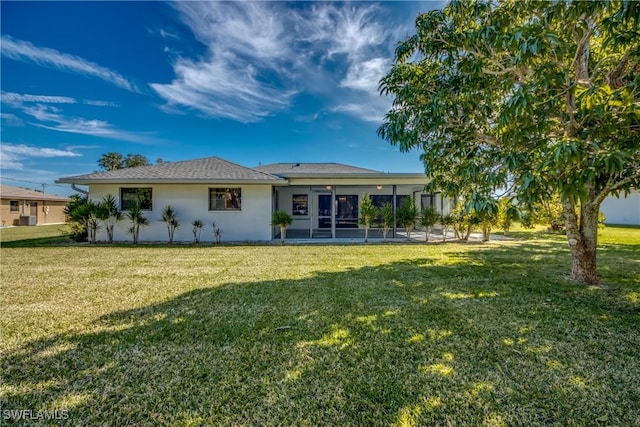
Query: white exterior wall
[
  {"x": 623, "y": 210},
  {"x": 191, "y": 201}
]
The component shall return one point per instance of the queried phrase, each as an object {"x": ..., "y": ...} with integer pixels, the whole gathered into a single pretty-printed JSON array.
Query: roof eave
[
  {"x": 381, "y": 175},
  {"x": 90, "y": 181}
]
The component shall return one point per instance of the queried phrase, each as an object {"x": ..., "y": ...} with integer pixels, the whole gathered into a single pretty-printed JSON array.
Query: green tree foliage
[
  {"x": 536, "y": 97},
  {"x": 135, "y": 160},
  {"x": 507, "y": 213},
  {"x": 464, "y": 221},
  {"x": 446, "y": 222},
  {"x": 428, "y": 219},
  {"x": 408, "y": 214},
  {"x": 283, "y": 220},
  {"x": 84, "y": 213},
  {"x": 112, "y": 161},
  {"x": 170, "y": 218},
  {"x": 548, "y": 212},
  {"x": 137, "y": 219},
  {"x": 368, "y": 213},
  {"x": 109, "y": 213},
  {"x": 388, "y": 219}
]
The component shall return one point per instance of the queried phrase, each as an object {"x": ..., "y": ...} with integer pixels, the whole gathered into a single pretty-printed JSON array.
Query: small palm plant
[
  {"x": 428, "y": 219},
  {"x": 368, "y": 213},
  {"x": 283, "y": 220},
  {"x": 408, "y": 215},
  {"x": 92, "y": 212},
  {"x": 170, "y": 217},
  {"x": 217, "y": 233},
  {"x": 446, "y": 222},
  {"x": 197, "y": 228},
  {"x": 386, "y": 212},
  {"x": 109, "y": 214},
  {"x": 137, "y": 218}
]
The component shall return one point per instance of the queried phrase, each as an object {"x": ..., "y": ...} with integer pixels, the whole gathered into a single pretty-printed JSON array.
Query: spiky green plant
[
  {"x": 428, "y": 219},
  {"x": 408, "y": 215},
  {"x": 368, "y": 213},
  {"x": 197, "y": 228},
  {"x": 137, "y": 219},
  {"x": 170, "y": 217},
  {"x": 388, "y": 219},
  {"x": 109, "y": 214},
  {"x": 283, "y": 220}
]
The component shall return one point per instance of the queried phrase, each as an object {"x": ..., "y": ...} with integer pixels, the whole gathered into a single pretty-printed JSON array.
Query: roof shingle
[
  {"x": 293, "y": 169},
  {"x": 9, "y": 192},
  {"x": 207, "y": 169}
]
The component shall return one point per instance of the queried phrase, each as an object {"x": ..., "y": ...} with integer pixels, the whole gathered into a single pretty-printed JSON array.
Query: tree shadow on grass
[{"x": 469, "y": 342}]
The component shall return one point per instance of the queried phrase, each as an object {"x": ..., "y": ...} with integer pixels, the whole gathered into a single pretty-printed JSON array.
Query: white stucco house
[
  {"x": 623, "y": 210},
  {"x": 240, "y": 200}
]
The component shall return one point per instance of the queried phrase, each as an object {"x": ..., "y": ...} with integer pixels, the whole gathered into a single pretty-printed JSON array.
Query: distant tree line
[{"x": 112, "y": 161}]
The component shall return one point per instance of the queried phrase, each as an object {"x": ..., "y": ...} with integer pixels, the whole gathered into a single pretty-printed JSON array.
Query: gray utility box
[{"x": 28, "y": 220}]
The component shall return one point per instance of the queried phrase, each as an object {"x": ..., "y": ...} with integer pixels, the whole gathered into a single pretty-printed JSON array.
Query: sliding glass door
[{"x": 346, "y": 211}]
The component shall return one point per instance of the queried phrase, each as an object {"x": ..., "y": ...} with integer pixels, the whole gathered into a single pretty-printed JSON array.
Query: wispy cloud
[
  {"x": 99, "y": 128},
  {"x": 98, "y": 103},
  {"x": 11, "y": 120},
  {"x": 240, "y": 77},
  {"x": 16, "y": 99},
  {"x": 12, "y": 155},
  {"x": 260, "y": 55},
  {"x": 21, "y": 50},
  {"x": 12, "y": 98}
]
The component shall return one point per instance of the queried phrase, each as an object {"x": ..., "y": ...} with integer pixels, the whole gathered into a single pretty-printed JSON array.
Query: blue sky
[{"x": 251, "y": 82}]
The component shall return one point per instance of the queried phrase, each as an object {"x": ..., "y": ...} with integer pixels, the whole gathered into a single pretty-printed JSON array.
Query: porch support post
[
  {"x": 333, "y": 211},
  {"x": 274, "y": 204},
  {"x": 310, "y": 212},
  {"x": 394, "y": 211}
]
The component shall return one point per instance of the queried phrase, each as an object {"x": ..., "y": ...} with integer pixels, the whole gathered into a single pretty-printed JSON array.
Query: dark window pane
[
  {"x": 225, "y": 199},
  {"x": 300, "y": 204},
  {"x": 130, "y": 195}
]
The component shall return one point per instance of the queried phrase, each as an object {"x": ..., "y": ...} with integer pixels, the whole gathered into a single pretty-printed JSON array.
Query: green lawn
[
  {"x": 38, "y": 235},
  {"x": 408, "y": 334}
]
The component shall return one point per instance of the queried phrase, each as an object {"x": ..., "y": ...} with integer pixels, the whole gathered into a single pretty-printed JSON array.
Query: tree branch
[
  {"x": 613, "y": 79},
  {"x": 612, "y": 186}
]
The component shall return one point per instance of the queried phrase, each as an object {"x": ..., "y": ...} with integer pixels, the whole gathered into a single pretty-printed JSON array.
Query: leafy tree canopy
[
  {"x": 536, "y": 97},
  {"x": 113, "y": 160}
]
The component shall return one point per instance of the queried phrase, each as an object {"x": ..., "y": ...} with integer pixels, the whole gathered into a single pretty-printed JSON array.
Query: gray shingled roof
[
  {"x": 9, "y": 192},
  {"x": 209, "y": 169},
  {"x": 293, "y": 169}
]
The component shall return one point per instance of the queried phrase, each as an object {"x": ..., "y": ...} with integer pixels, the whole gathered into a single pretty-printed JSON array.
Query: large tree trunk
[{"x": 582, "y": 236}]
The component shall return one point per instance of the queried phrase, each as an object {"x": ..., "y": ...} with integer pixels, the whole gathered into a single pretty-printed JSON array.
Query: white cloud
[
  {"x": 259, "y": 55},
  {"x": 11, "y": 119},
  {"x": 98, "y": 103},
  {"x": 12, "y": 98},
  {"x": 24, "y": 51},
  {"x": 11, "y": 155},
  {"x": 368, "y": 111},
  {"x": 17, "y": 99},
  {"x": 99, "y": 128},
  {"x": 365, "y": 75}
]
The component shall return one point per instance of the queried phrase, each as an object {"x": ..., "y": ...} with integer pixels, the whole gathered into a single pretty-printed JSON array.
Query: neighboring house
[
  {"x": 27, "y": 207},
  {"x": 240, "y": 200},
  {"x": 622, "y": 210}
]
